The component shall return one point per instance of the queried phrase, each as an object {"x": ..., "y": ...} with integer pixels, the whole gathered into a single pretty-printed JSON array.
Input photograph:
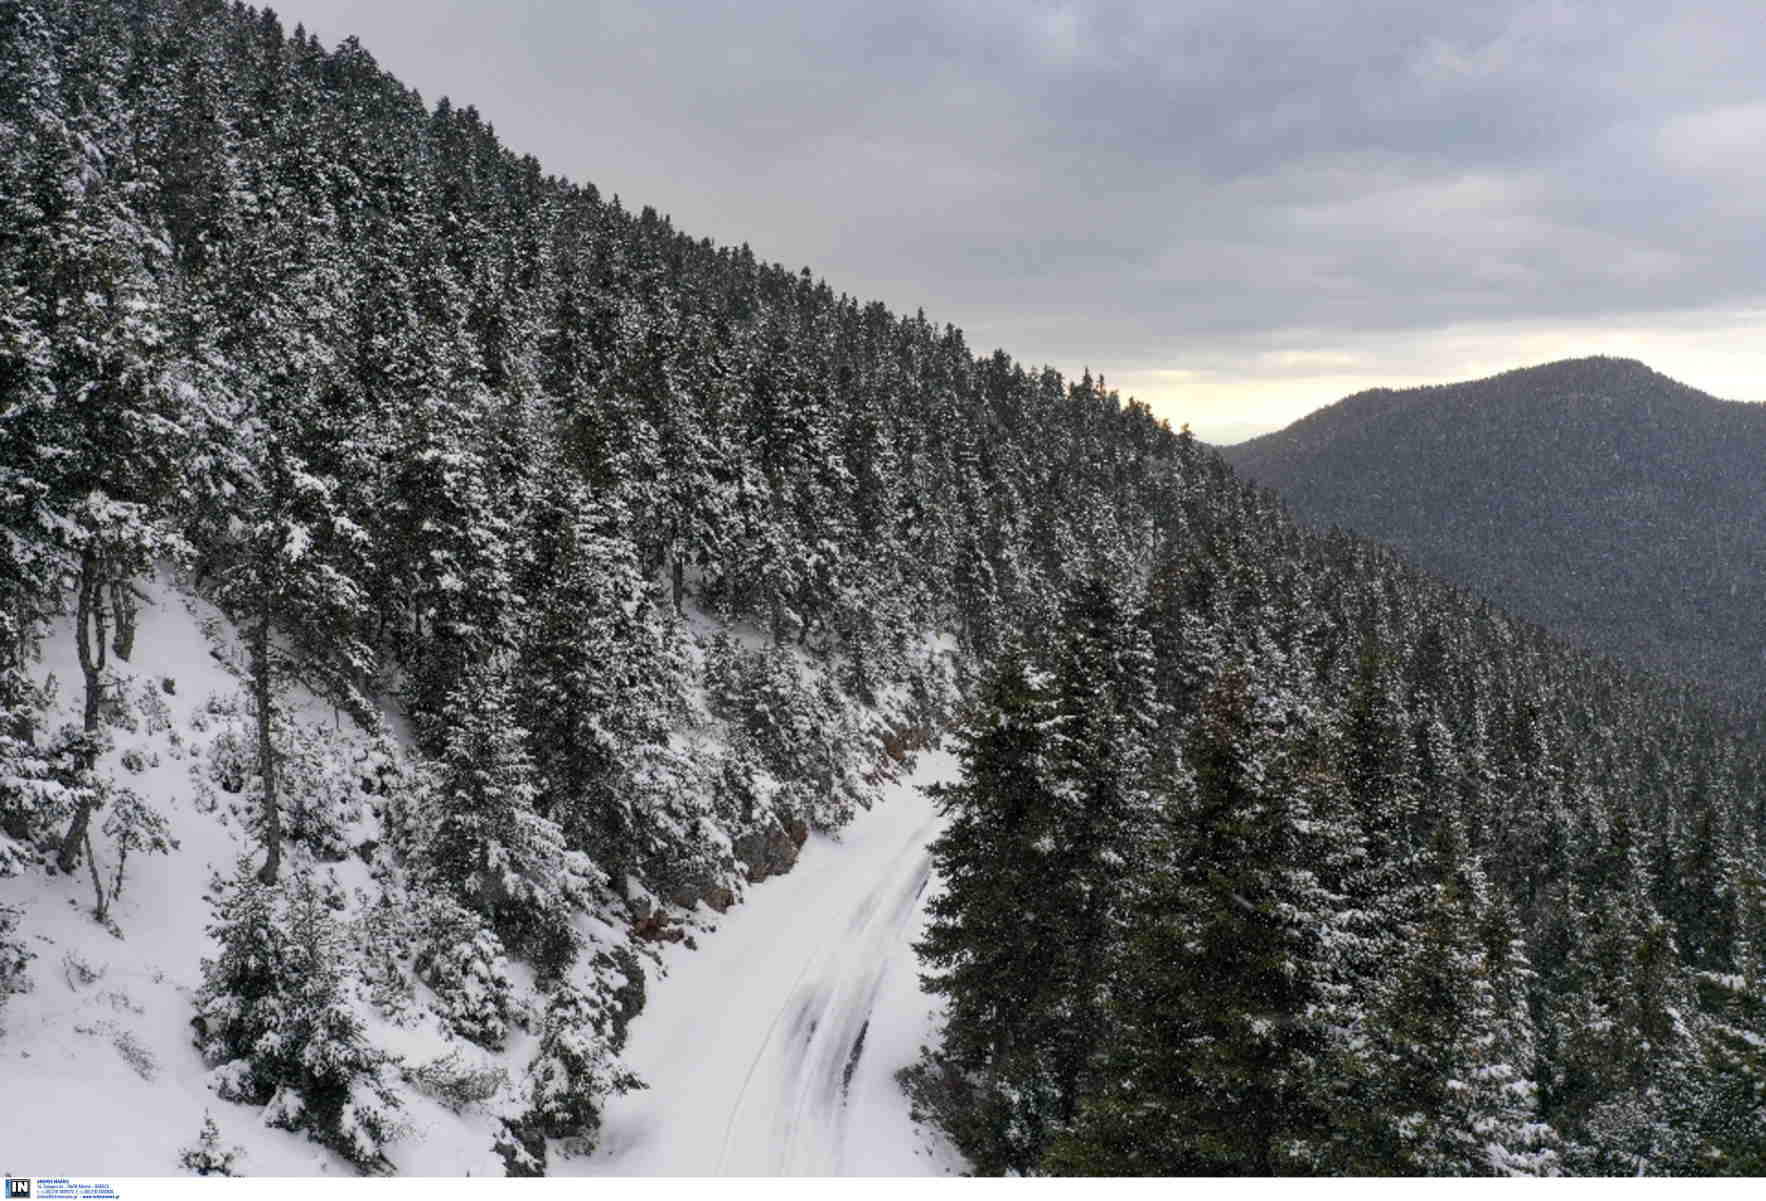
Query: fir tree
[
  {"x": 988, "y": 950},
  {"x": 1224, "y": 996},
  {"x": 482, "y": 838},
  {"x": 1446, "y": 1097}
]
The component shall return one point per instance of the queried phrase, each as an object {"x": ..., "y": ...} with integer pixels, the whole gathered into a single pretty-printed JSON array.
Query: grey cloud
[{"x": 1133, "y": 182}]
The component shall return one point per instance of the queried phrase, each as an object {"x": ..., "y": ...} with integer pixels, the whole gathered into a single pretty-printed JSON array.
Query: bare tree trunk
[
  {"x": 260, "y": 686},
  {"x": 90, "y": 641},
  {"x": 124, "y": 604},
  {"x": 100, "y": 907}
]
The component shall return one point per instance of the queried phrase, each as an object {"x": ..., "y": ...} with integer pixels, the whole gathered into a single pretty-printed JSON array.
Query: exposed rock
[
  {"x": 771, "y": 851},
  {"x": 655, "y": 928}
]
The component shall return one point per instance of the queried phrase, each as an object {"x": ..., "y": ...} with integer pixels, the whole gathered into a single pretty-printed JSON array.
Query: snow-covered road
[{"x": 772, "y": 1049}]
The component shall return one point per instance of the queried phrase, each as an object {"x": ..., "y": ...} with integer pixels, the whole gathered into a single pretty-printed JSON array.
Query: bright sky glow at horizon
[{"x": 1237, "y": 213}]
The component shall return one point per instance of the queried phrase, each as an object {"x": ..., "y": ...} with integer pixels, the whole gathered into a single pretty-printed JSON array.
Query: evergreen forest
[
  {"x": 1599, "y": 498},
  {"x": 1268, "y": 854}
]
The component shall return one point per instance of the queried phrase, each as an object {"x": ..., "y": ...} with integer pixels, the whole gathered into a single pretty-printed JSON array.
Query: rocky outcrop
[{"x": 771, "y": 850}]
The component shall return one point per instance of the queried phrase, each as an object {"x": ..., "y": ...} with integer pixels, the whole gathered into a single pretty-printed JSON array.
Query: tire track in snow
[
  {"x": 766, "y": 1051},
  {"x": 815, "y": 1132}
]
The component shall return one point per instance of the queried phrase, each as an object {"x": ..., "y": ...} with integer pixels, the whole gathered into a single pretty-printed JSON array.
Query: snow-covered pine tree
[
  {"x": 208, "y": 1157},
  {"x": 277, "y": 1021},
  {"x": 462, "y": 961},
  {"x": 1442, "y": 1095},
  {"x": 988, "y": 950},
  {"x": 575, "y": 1069},
  {"x": 1623, "y": 1041},
  {"x": 482, "y": 839},
  {"x": 1225, "y": 997},
  {"x": 605, "y": 670},
  {"x": 1108, "y": 782}
]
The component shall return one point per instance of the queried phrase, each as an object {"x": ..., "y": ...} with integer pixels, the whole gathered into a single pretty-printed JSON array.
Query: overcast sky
[{"x": 1236, "y": 211}]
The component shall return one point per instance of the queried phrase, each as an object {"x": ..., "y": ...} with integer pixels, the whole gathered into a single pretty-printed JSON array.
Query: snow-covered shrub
[
  {"x": 575, "y": 1068},
  {"x": 321, "y": 771},
  {"x": 15, "y": 957},
  {"x": 226, "y": 765},
  {"x": 320, "y": 775},
  {"x": 132, "y": 825},
  {"x": 462, "y": 961},
  {"x": 384, "y": 933},
  {"x": 208, "y": 1157},
  {"x": 456, "y": 1083},
  {"x": 277, "y": 1025},
  {"x": 149, "y": 700}
]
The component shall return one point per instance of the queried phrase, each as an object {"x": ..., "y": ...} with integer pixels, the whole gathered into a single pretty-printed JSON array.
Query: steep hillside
[
  {"x": 1595, "y": 496},
  {"x": 621, "y": 571}
]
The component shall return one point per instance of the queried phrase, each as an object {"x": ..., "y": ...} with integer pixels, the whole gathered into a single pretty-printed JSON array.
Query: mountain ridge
[{"x": 1596, "y": 496}]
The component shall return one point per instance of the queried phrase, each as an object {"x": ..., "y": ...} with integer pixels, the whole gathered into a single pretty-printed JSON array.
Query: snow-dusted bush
[
  {"x": 330, "y": 775},
  {"x": 133, "y": 825},
  {"x": 321, "y": 771},
  {"x": 457, "y": 1083},
  {"x": 462, "y": 961},
  {"x": 384, "y": 932},
  {"x": 15, "y": 957},
  {"x": 574, "y": 1069},
  {"x": 279, "y": 1028},
  {"x": 208, "y": 1157}
]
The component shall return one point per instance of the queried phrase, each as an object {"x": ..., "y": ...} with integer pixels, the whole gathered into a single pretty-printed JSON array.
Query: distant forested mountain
[
  {"x": 1270, "y": 852},
  {"x": 1595, "y": 496}
]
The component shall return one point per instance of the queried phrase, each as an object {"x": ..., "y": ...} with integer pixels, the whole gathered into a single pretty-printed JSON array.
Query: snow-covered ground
[
  {"x": 772, "y": 1048},
  {"x": 99, "y": 1052}
]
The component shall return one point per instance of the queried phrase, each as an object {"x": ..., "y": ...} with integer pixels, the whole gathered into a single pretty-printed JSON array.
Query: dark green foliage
[
  {"x": 1445, "y": 1053},
  {"x": 1047, "y": 829},
  {"x": 987, "y": 948},
  {"x": 1226, "y": 993},
  {"x": 1595, "y": 496}
]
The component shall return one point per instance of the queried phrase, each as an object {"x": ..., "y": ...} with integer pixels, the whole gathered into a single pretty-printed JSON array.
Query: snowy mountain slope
[
  {"x": 772, "y": 1048},
  {"x": 102, "y": 1042}
]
